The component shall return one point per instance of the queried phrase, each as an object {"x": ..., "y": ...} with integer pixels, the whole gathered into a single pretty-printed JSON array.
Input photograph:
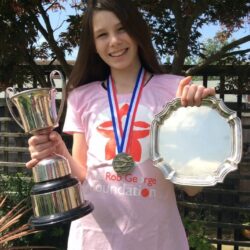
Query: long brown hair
[{"x": 89, "y": 66}]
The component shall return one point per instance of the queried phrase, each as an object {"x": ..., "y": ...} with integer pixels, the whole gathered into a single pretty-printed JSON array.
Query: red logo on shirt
[{"x": 135, "y": 149}]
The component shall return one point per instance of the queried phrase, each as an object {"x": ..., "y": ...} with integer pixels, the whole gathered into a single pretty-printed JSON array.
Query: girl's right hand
[{"x": 44, "y": 145}]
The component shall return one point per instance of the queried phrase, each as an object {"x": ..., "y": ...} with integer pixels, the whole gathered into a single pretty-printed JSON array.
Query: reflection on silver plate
[{"x": 196, "y": 146}]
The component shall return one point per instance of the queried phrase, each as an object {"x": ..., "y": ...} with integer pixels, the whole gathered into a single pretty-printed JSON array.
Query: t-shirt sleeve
[
  {"x": 164, "y": 89},
  {"x": 170, "y": 84},
  {"x": 73, "y": 120}
]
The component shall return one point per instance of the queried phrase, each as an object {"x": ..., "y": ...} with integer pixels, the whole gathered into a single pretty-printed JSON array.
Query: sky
[{"x": 208, "y": 31}]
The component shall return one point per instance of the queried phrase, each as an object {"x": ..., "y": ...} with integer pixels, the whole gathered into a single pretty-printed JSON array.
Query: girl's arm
[
  {"x": 191, "y": 191},
  {"x": 78, "y": 160}
]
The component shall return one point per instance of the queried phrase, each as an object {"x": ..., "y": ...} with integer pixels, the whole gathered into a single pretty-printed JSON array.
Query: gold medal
[{"x": 123, "y": 163}]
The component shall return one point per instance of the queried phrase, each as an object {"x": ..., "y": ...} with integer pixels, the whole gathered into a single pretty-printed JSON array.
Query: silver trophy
[{"x": 56, "y": 196}]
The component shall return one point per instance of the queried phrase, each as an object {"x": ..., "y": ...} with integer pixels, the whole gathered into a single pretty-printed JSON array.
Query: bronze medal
[{"x": 123, "y": 163}]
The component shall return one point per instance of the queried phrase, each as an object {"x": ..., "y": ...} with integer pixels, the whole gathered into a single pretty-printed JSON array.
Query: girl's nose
[{"x": 114, "y": 39}]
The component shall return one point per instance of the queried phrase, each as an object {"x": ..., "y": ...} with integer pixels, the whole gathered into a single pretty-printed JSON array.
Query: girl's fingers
[
  {"x": 188, "y": 97},
  {"x": 183, "y": 83},
  {"x": 38, "y": 139},
  {"x": 208, "y": 92},
  {"x": 191, "y": 94},
  {"x": 40, "y": 147},
  {"x": 55, "y": 137},
  {"x": 31, "y": 163},
  {"x": 183, "y": 97},
  {"x": 198, "y": 95},
  {"x": 41, "y": 154}
]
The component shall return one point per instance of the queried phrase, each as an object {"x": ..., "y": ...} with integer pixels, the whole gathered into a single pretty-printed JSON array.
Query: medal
[{"x": 123, "y": 163}]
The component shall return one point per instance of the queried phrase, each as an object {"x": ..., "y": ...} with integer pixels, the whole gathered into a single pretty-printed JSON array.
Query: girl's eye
[
  {"x": 101, "y": 35},
  {"x": 121, "y": 29}
]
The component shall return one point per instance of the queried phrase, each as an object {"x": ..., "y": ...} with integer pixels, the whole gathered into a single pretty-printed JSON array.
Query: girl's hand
[
  {"x": 44, "y": 145},
  {"x": 191, "y": 94}
]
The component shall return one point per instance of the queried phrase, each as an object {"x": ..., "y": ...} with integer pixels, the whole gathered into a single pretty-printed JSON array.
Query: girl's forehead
[{"x": 104, "y": 19}]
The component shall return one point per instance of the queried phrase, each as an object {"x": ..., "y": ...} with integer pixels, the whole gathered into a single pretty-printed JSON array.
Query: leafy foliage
[
  {"x": 14, "y": 43},
  {"x": 176, "y": 28},
  {"x": 177, "y": 25},
  {"x": 196, "y": 235}
]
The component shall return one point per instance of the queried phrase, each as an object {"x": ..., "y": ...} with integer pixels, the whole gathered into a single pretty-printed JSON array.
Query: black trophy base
[{"x": 44, "y": 222}]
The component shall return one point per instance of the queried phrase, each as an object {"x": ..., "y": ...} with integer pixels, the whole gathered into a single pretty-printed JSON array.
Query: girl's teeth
[{"x": 118, "y": 53}]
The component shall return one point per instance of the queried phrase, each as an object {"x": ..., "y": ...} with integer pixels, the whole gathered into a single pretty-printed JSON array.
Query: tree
[
  {"x": 16, "y": 41},
  {"x": 176, "y": 24},
  {"x": 175, "y": 27},
  {"x": 21, "y": 23},
  {"x": 213, "y": 46}
]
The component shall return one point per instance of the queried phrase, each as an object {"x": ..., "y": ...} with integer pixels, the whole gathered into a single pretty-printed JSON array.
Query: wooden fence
[{"x": 222, "y": 212}]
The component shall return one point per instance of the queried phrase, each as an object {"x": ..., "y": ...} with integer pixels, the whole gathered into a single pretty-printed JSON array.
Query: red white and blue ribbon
[{"x": 122, "y": 137}]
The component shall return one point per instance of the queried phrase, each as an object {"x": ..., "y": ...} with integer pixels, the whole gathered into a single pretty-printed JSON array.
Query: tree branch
[
  {"x": 218, "y": 55},
  {"x": 184, "y": 22},
  {"x": 35, "y": 69},
  {"x": 48, "y": 35},
  {"x": 238, "y": 52},
  {"x": 51, "y": 5}
]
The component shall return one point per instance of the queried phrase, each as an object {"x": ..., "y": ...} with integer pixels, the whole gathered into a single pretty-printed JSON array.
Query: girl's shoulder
[
  {"x": 166, "y": 81},
  {"x": 165, "y": 84},
  {"x": 86, "y": 89},
  {"x": 85, "y": 92},
  {"x": 167, "y": 78},
  {"x": 92, "y": 86}
]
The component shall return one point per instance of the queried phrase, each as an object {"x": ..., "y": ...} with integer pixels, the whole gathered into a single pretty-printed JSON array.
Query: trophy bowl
[{"x": 56, "y": 196}]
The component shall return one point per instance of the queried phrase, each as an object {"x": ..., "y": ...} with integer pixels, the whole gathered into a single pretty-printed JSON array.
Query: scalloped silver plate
[{"x": 196, "y": 146}]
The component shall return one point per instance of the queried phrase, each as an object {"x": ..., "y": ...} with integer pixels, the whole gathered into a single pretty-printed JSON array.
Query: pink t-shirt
[{"x": 137, "y": 211}]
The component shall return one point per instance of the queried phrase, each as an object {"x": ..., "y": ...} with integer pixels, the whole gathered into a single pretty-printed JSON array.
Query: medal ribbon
[{"x": 122, "y": 137}]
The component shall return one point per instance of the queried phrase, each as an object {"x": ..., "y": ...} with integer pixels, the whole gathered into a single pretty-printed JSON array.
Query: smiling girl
[{"x": 115, "y": 89}]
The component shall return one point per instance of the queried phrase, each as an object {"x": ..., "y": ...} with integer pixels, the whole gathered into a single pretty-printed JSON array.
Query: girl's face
[{"x": 112, "y": 42}]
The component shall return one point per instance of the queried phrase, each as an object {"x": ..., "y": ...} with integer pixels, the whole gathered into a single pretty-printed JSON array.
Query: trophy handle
[
  {"x": 52, "y": 77},
  {"x": 8, "y": 92}
]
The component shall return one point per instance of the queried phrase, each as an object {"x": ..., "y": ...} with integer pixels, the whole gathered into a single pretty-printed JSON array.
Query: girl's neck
[{"x": 125, "y": 79}]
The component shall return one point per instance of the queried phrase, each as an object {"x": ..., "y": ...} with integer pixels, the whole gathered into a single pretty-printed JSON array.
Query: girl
[{"x": 115, "y": 89}]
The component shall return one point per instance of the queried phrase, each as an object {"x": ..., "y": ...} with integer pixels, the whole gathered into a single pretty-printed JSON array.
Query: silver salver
[{"x": 196, "y": 146}]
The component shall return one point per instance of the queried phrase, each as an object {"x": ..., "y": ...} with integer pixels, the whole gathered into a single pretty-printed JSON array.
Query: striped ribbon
[{"x": 122, "y": 137}]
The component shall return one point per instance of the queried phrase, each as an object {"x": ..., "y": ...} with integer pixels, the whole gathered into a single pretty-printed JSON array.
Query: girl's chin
[
  {"x": 124, "y": 65},
  {"x": 119, "y": 66}
]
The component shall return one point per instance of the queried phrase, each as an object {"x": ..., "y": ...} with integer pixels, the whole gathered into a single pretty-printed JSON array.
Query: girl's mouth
[{"x": 118, "y": 53}]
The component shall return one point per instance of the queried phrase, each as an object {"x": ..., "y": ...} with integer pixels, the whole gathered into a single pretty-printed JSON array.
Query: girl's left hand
[{"x": 191, "y": 94}]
